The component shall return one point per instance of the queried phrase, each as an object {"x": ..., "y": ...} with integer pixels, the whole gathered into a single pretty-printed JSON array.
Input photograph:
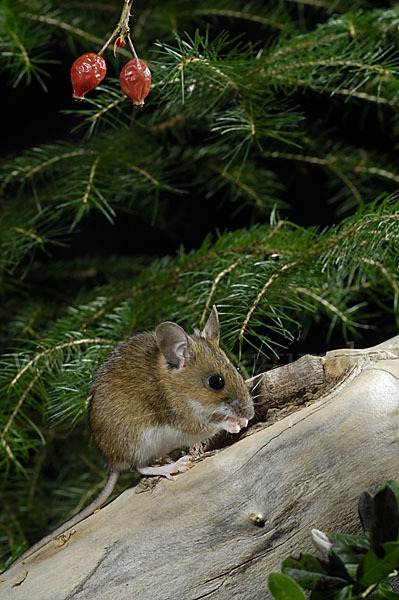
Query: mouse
[{"x": 156, "y": 392}]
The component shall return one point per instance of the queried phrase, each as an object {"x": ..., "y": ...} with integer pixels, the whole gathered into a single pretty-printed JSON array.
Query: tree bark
[{"x": 217, "y": 531}]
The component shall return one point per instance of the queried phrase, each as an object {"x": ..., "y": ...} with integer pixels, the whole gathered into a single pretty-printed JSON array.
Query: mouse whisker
[
  {"x": 256, "y": 384},
  {"x": 257, "y": 358}
]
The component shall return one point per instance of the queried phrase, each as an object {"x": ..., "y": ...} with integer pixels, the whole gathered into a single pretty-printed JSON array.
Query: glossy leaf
[
  {"x": 283, "y": 587},
  {"x": 374, "y": 569},
  {"x": 345, "y": 561},
  {"x": 346, "y": 539},
  {"x": 305, "y": 579},
  {"x": 312, "y": 581},
  {"x": 305, "y": 561},
  {"x": 389, "y": 594}
]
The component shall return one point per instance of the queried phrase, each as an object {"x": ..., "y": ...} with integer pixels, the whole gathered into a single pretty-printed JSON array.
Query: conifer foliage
[{"x": 264, "y": 163}]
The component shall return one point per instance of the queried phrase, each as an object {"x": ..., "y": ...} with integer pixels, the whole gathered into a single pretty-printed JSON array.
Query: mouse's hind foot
[{"x": 180, "y": 466}]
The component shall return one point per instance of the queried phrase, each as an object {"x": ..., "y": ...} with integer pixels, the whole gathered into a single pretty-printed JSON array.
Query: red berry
[
  {"x": 86, "y": 72},
  {"x": 135, "y": 80}
]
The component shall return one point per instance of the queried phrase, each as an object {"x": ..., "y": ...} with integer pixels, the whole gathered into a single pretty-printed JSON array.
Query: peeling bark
[{"x": 312, "y": 377}]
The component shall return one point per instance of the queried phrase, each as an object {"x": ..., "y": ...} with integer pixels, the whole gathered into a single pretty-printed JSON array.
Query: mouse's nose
[{"x": 244, "y": 410}]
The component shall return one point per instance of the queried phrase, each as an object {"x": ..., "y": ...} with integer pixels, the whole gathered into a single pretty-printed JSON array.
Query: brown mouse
[{"x": 157, "y": 392}]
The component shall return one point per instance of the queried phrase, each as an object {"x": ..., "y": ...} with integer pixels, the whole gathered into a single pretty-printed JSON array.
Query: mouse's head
[{"x": 204, "y": 381}]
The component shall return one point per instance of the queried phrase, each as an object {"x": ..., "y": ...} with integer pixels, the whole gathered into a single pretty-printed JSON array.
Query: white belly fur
[{"x": 160, "y": 440}]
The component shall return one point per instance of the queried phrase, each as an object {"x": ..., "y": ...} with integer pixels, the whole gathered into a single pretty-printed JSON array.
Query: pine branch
[
  {"x": 358, "y": 170},
  {"x": 25, "y": 46},
  {"x": 245, "y": 274},
  {"x": 343, "y": 56}
]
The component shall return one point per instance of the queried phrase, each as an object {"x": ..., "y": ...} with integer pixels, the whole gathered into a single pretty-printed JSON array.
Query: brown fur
[
  {"x": 144, "y": 405},
  {"x": 136, "y": 389}
]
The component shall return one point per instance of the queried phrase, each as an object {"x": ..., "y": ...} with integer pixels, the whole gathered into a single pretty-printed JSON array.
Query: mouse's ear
[
  {"x": 173, "y": 343},
  {"x": 211, "y": 330}
]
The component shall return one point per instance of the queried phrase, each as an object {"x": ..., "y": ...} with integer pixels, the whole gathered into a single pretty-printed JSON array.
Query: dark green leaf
[
  {"x": 353, "y": 541},
  {"x": 384, "y": 523},
  {"x": 305, "y": 579},
  {"x": 389, "y": 594},
  {"x": 307, "y": 562},
  {"x": 332, "y": 594},
  {"x": 347, "y": 553},
  {"x": 394, "y": 485},
  {"x": 365, "y": 508},
  {"x": 312, "y": 581},
  {"x": 283, "y": 587},
  {"x": 373, "y": 569},
  {"x": 376, "y": 594},
  {"x": 345, "y": 561}
]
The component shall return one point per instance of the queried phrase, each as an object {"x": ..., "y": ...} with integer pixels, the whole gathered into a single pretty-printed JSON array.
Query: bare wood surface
[
  {"x": 312, "y": 377},
  {"x": 220, "y": 529}
]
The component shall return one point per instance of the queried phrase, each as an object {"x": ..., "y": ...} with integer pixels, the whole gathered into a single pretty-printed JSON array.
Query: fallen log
[{"x": 220, "y": 529}]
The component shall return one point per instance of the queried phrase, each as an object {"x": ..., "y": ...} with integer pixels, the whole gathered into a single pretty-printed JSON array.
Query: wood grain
[{"x": 217, "y": 531}]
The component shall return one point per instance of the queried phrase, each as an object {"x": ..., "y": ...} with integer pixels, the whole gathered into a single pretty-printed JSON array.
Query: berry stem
[
  {"x": 132, "y": 50},
  {"x": 122, "y": 28}
]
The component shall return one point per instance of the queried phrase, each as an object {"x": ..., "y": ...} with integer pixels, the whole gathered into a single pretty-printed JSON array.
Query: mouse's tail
[{"x": 85, "y": 512}]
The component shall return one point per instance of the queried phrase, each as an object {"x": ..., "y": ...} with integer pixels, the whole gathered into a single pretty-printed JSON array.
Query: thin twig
[
  {"x": 261, "y": 294},
  {"x": 384, "y": 272},
  {"x": 246, "y": 188},
  {"x": 32, "y": 382},
  {"x": 22, "y": 48},
  {"x": 91, "y": 179},
  {"x": 236, "y": 14},
  {"x": 28, "y": 234},
  {"x": 146, "y": 174},
  {"x": 122, "y": 29},
  {"x": 29, "y": 170},
  {"x": 325, "y": 303},
  {"x": 328, "y": 63},
  {"x": 214, "y": 285},
  {"x": 203, "y": 61},
  {"x": 69, "y": 344}
]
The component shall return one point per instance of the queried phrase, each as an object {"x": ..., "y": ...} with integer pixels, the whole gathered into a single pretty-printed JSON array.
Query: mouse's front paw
[{"x": 234, "y": 424}]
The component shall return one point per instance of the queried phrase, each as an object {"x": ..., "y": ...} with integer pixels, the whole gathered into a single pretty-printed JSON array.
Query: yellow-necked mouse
[{"x": 155, "y": 393}]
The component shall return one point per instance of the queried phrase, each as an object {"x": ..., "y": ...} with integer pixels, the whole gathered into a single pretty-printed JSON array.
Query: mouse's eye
[{"x": 215, "y": 382}]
